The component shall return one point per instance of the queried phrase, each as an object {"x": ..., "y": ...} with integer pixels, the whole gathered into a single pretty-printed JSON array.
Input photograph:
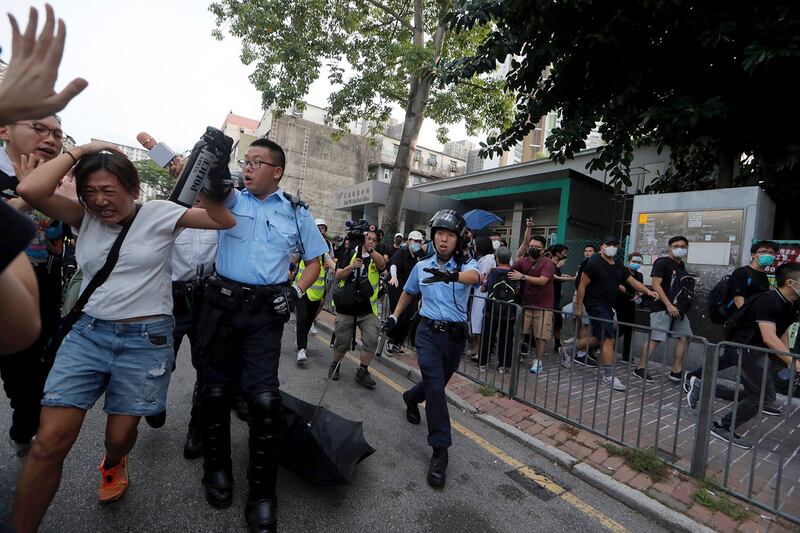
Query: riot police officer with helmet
[
  {"x": 246, "y": 304},
  {"x": 444, "y": 280}
]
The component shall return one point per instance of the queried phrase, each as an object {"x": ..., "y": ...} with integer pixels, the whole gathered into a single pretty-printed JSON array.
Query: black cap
[{"x": 610, "y": 239}]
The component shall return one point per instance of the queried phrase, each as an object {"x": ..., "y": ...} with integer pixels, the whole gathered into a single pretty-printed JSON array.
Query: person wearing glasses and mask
[
  {"x": 667, "y": 273},
  {"x": 245, "y": 306},
  {"x": 28, "y": 144}
]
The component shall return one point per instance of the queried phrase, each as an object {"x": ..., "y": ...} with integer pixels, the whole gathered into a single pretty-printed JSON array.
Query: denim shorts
[{"x": 130, "y": 361}]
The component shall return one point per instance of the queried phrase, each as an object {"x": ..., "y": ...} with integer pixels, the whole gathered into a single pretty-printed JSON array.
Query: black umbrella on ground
[{"x": 327, "y": 451}]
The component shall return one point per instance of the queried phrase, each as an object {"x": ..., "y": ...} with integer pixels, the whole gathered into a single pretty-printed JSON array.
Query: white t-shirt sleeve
[{"x": 162, "y": 215}]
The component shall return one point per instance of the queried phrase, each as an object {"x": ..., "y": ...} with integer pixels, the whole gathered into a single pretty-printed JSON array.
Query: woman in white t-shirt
[{"x": 122, "y": 343}]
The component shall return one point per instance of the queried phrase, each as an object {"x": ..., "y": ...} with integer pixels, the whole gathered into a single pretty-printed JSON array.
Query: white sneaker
[
  {"x": 614, "y": 383},
  {"x": 313, "y": 330},
  {"x": 566, "y": 358},
  {"x": 301, "y": 356}
]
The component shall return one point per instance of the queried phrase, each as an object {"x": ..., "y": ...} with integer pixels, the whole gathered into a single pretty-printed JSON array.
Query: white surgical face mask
[
  {"x": 610, "y": 251},
  {"x": 496, "y": 244},
  {"x": 680, "y": 252}
]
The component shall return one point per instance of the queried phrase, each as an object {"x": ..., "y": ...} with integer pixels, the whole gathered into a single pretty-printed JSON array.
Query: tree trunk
[
  {"x": 420, "y": 90},
  {"x": 415, "y": 114},
  {"x": 726, "y": 160}
]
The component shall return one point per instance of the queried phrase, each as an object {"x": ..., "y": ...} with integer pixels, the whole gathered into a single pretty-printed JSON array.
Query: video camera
[
  {"x": 210, "y": 154},
  {"x": 357, "y": 231}
]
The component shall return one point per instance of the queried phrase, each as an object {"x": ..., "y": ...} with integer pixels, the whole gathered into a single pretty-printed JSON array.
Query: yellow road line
[{"x": 528, "y": 472}]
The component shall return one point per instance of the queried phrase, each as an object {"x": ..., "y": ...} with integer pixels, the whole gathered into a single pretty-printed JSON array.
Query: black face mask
[
  {"x": 398, "y": 240},
  {"x": 534, "y": 252}
]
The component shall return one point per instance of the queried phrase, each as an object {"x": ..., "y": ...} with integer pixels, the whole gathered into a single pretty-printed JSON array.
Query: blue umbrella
[{"x": 479, "y": 219}]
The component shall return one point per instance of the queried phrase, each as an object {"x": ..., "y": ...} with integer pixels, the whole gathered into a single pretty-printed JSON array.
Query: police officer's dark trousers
[
  {"x": 438, "y": 354},
  {"x": 239, "y": 342}
]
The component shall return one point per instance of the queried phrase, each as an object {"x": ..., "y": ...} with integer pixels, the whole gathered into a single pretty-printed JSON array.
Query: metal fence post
[
  {"x": 515, "y": 354},
  {"x": 702, "y": 435}
]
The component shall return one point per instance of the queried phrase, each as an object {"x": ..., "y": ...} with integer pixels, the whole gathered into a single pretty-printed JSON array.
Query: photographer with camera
[
  {"x": 245, "y": 306},
  {"x": 356, "y": 301},
  {"x": 444, "y": 280}
]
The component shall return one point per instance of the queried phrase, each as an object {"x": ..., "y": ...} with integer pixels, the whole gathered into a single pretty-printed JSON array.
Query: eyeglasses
[
  {"x": 255, "y": 164},
  {"x": 44, "y": 131}
]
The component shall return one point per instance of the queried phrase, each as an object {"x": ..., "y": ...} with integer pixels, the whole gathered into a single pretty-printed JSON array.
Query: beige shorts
[
  {"x": 541, "y": 321},
  {"x": 343, "y": 332}
]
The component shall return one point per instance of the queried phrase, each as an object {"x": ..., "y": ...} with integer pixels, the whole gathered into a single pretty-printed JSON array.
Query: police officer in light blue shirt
[
  {"x": 246, "y": 303},
  {"x": 444, "y": 280}
]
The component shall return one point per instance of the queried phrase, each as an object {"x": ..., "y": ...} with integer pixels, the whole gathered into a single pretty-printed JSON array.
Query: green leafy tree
[
  {"x": 156, "y": 177},
  {"x": 378, "y": 53},
  {"x": 710, "y": 80}
]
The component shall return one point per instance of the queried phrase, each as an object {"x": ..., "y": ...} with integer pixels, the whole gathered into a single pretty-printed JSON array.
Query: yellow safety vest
[
  {"x": 374, "y": 278},
  {"x": 317, "y": 290}
]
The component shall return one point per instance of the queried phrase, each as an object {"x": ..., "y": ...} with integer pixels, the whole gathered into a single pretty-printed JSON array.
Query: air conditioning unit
[
  {"x": 417, "y": 156},
  {"x": 432, "y": 161}
]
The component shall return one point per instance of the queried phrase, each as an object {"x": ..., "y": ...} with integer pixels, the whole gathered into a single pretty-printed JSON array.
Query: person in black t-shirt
[
  {"x": 598, "y": 289},
  {"x": 558, "y": 254},
  {"x": 746, "y": 281},
  {"x": 400, "y": 266},
  {"x": 627, "y": 299},
  {"x": 664, "y": 316},
  {"x": 764, "y": 324}
]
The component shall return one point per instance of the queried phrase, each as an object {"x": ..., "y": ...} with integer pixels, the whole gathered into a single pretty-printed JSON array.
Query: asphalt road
[{"x": 485, "y": 491}]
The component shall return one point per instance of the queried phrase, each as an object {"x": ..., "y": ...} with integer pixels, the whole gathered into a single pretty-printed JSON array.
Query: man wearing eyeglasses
[
  {"x": 24, "y": 373},
  {"x": 245, "y": 306}
]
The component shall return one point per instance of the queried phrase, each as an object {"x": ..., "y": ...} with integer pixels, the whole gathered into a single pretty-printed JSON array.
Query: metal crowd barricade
[
  {"x": 768, "y": 474},
  {"x": 643, "y": 415},
  {"x": 495, "y": 365}
]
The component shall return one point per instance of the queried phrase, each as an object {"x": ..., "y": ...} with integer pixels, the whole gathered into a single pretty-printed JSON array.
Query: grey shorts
[
  {"x": 661, "y": 322},
  {"x": 343, "y": 331}
]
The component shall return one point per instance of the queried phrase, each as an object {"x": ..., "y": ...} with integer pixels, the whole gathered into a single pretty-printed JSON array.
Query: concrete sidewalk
[{"x": 671, "y": 501}]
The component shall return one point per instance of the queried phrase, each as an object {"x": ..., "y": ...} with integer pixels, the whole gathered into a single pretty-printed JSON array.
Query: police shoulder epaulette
[{"x": 296, "y": 202}]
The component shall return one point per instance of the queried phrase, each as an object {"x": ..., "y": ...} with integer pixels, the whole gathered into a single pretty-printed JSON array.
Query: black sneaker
[
  {"x": 588, "y": 360},
  {"x": 771, "y": 411},
  {"x": 333, "y": 371},
  {"x": 685, "y": 383},
  {"x": 643, "y": 374},
  {"x": 693, "y": 396},
  {"x": 675, "y": 377},
  {"x": 364, "y": 379},
  {"x": 721, "y": 432}
]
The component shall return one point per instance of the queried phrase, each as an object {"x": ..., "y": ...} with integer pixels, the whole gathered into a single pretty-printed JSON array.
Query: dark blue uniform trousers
[{"x": 438, "y": 354}]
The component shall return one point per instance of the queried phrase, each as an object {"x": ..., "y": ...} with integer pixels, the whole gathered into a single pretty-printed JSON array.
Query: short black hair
[
  {"x": 113, "y": 163},
  {"x": 592, "y": 246},
  {"x": 483, "y": 245},
  {"x": 558, "y": 248},
  {"x": 273, "y": 147},
  {"x": 772, "y": 245},
  {"x": 539, "y": 238},
  {"x": 785, "y": 272},
  {"x": 677, "y": 238},
  {"x": 494, "y": 234},
  {"x": 633, "y": 254}
]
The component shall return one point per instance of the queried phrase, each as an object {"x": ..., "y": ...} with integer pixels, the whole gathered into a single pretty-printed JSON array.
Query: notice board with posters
[{"x": 715, "y": 236}]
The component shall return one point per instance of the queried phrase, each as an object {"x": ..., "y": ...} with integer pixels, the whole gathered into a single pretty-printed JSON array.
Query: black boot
[
  {"x": 215, "y": 417},
  {"x": 412, "y": 410},
  {"x": 266, "y": 432},
  {"x": 157, "y": 420},
  {"x": 437, "y": 470},
  {"x": 193, "y": 445}
]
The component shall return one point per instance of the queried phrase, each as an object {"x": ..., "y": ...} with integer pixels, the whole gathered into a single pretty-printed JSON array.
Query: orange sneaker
[{"x": 113, "y": 481}]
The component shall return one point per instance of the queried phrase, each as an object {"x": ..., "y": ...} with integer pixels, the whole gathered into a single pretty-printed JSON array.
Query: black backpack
[
  {"x": 682, "y": 293},
  {"x": 735, "y": 321},
  {"x": 720, "y": 301},
  {"x": 504, "y": 289}
]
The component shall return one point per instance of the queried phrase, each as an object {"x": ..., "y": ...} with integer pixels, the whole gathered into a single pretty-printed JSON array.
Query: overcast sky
[{"x": 153, "y": 66}]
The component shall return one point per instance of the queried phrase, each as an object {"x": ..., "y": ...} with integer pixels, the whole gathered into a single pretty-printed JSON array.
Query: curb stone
[
  {"x": 551, "y": 452},
  {"x": 630, "y": 497},
  {"x": 638, "y": 501}
]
